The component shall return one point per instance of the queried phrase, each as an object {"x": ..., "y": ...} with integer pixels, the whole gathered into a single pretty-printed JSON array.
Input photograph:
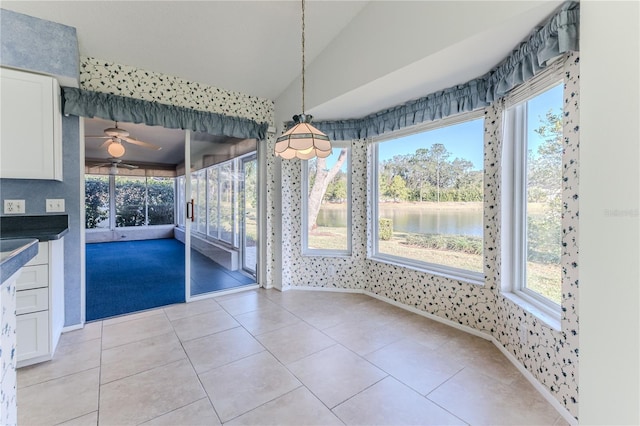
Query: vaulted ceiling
[{"x": 362, "y": 56}]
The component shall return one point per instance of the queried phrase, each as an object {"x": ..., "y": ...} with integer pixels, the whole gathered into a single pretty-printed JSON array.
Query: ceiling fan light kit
[
  {"x": 115, "y": 149},
  {"x": 115, "y": 137},
  {"x": 303, "y": 140}
]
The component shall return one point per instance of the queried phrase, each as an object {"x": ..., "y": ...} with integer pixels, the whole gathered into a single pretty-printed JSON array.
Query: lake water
[{"x": 427, "y": 221}]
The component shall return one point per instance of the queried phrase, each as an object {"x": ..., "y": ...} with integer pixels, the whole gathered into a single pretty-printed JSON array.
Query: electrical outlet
[
  {"x": 55, "y": 205},
  {"x": 13, "y": 206}
]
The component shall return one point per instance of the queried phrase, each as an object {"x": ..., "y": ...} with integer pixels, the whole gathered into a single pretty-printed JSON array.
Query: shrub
[
  {"x": 459, "y": 243},
  {"x": 385, "y": 229}
]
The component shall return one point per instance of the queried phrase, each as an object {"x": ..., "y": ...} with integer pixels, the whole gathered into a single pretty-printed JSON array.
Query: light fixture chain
[{"x": 303, "y": 57}]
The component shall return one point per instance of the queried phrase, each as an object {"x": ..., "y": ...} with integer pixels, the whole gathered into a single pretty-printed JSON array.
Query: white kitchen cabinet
[
  {"x": 40, "y": 304},
  {"x": 31, "y": 131}
]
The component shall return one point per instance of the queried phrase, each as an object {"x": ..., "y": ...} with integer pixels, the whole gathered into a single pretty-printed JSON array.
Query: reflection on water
[{"x": 425, "y": 221}]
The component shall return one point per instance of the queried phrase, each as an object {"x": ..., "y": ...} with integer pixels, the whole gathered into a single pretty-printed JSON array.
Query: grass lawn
[{"x": 543, "y": 278}]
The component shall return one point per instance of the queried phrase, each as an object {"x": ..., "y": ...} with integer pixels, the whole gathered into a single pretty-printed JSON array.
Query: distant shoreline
[{"x": 432, "y": 205}]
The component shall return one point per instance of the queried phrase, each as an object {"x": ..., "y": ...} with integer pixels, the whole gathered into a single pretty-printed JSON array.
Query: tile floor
[{"x": 264, "y": 357}]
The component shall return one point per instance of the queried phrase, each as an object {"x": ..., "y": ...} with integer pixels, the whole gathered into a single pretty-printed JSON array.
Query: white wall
[{"x": 609, "y": 215}]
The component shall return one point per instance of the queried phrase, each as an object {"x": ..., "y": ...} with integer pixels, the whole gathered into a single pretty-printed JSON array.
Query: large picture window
[
  {"x": 534, "y": 142},
  {"x": 121, "y": 201},
  {"x": 326, "y": 202},
  {"x": 429, "y": 193}
]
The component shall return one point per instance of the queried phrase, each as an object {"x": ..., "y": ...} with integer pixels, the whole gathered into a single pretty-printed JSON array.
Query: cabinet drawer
[
  {"x": 42, "y": 258},
  {"x": 34, "y": 300},
  {"x": 32, "y": 332},
  {"x": 33, "y": 277}
]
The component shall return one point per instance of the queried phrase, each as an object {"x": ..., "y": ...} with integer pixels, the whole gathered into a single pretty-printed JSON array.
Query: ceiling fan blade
[
  {"x": 106, "y": 143},
  {"x": 140, "y": 143},
  {"x": 97, "y": 136},
  {"x": 100, "y": 165},
  {"x": 127, "y": 166}
]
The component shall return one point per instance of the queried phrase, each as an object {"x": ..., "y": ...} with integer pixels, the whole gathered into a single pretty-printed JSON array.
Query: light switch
[
  {"x": 13, "y": 206},
  {"x": 55, "y": 205}
]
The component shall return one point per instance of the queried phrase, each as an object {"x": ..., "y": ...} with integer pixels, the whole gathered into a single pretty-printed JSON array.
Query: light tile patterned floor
[{"x": 264, "y": 357}]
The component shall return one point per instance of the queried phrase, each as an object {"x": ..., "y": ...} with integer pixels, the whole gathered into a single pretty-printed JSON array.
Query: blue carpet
[{"x": 131, "y": 276}]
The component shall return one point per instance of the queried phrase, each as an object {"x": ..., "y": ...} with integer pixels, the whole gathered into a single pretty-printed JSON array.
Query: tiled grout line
[
  {"x": 100, "y": 373},
  {"x": 287, "y": 309},
  {"x": 213, "y": 407},
  {"x": 278, "y": 360},
  {"x": 362, "y": 357},
  {"x": 336, "y": 343}
]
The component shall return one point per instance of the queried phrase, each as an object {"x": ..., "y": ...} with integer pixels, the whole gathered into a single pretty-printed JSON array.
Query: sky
[{"x": 465, "y": 140}]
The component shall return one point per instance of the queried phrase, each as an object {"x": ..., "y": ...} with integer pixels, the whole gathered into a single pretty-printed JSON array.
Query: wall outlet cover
[
  {"x": 55, "y": 205},
  {"x": 14, "y": 207}
]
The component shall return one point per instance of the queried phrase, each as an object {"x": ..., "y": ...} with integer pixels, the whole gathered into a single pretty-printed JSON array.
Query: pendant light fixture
[{"x": 303, "y": 141}]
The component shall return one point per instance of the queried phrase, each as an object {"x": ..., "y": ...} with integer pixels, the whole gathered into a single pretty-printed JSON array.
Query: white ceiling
[{"x": 253, "y": 47}]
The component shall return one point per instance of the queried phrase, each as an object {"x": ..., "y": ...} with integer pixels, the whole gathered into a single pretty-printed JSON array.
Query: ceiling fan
[
  {"x": 115, "y": 136},
  {"x": 113, "y": 165}
]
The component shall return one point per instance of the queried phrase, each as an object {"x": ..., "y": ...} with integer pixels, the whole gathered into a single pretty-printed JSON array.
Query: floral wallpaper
[
  {"x": 8, "y": 414},
  {"x": 123, "y": 80},
  {"x": 550, "y": 356}
]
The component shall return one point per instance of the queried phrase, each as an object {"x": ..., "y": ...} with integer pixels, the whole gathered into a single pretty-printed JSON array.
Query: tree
[
  {"x": 321, "y": 180},
  {"x": 96, "y": 200},
  {"x": 544, "y": 184},
  {"x": 545, "y": 167},
  {"x": 439, "y": 154},
  {"x": 337, "y": 189},
  {"x": 397, "y": 189}
]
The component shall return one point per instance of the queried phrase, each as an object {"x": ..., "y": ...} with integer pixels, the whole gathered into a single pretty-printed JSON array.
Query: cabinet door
[
  {"x": 32, "y": 331},
  {"x": 31, "y": 126}
]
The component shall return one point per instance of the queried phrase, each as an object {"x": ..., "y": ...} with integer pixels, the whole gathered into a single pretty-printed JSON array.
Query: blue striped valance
[
  {"x": 119, "y": 108},
  {"x": 557, "y": 36}
]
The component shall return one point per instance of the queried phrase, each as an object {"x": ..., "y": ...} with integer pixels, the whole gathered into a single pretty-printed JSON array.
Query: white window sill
[
  {"x": 467, "y": 277},
  {"x": 548, "y": 318},
  {"x": 320, "y": 253}
]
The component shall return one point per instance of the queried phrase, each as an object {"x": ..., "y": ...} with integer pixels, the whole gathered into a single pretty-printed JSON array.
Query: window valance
[
  {"x": 557, "y": 36},
  {"x": 85, "y": 103}
]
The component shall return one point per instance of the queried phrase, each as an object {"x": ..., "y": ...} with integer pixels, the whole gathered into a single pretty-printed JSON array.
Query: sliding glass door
[{"x": 220, "y": 218}]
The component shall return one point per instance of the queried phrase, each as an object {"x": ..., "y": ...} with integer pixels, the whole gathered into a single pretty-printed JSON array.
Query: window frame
[
  {"x": 306, "y": 251},
  {"x": 234, "y": 185},
  {"x": 112, "y": 219},
  {"x": 458, "y": 274},
  {"x": 514, "y": 201}
]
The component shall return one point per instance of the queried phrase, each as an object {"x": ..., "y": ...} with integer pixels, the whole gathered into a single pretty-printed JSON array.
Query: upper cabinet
[{"x": 31, "y": 130}]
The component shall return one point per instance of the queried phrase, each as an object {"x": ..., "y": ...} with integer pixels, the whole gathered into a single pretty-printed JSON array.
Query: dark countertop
[
  {"x": 42, "y": 227},
  {"x": 14, "y": 254}
]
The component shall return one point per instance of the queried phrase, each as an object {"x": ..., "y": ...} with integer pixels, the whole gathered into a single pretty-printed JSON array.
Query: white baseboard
[
  {"x": 73, "y": 327},
  {"x": 534, "y": 382}
]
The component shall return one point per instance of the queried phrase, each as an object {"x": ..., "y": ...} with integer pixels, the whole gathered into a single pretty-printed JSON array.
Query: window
[
  {"x": 534, "y": 142},
  {"x": 119, "y": 201},
  {"x": 96, "y": 201},
  {"x": 181, "y": 201},
  {"x": 160, "y": 200},
  {"x": 199, "y": 196},
  {"x": 428, "y": 189},
  {"x": 216, "y": 193},
  {"x": 327, "y": 203}
]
